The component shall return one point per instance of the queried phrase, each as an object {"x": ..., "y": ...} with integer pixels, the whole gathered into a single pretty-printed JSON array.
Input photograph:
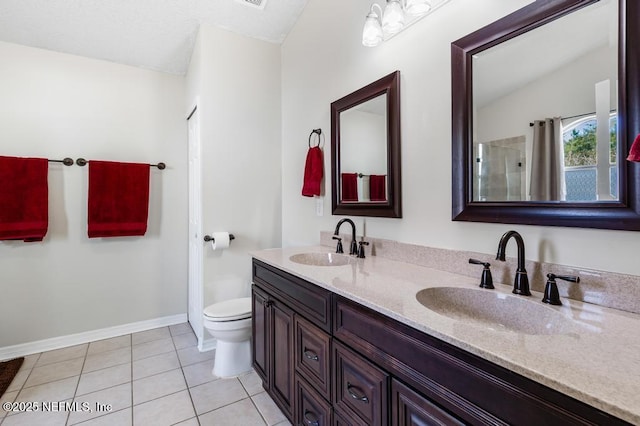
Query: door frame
[{"x": 195, "y": 245}]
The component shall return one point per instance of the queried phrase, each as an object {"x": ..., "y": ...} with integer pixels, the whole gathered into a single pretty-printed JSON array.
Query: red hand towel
[
  {"x": 118, "y": 199},
  {"x": 313, "y": 172},
  {"x": 634, "y": 152},
  {"x": 349, "y": 188},
  {"x": 377, "y": 188},
  {"x": 24, "y": 198}
]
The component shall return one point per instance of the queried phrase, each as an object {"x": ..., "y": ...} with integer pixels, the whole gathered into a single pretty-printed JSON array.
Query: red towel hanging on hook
[{"x": 313, "y": 168}]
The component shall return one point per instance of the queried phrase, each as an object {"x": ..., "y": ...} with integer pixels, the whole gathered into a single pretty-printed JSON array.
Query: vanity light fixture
[{"x": 380, "y": 25}]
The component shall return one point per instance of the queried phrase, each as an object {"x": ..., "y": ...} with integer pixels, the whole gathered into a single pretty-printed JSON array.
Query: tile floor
[{"x": 152, "y": 378}]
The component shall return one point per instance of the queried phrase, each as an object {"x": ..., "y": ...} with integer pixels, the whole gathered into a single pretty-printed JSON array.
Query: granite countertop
[{"x": 597, "y": 362}]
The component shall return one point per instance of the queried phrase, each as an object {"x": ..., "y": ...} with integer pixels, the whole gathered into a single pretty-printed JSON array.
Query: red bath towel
[
  {"x": 24, "y": 198},
  {"x": 377, "y": 188},
  {"x": 349, "y": 188},
  {"x": 634, "y": 152},
  {"x": 313, "y": 172},
  {"x": 118, "y": 199}
]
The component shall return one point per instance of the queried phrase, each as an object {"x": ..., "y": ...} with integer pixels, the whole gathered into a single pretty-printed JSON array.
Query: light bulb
[
  {"x": 393, "y": 17},
  {"x": 417, "y": 7},
  {"x": 372, "y": 31}
]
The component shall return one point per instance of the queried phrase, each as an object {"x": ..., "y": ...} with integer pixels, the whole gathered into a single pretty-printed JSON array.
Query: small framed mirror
[{"x": 365, "y": 150}]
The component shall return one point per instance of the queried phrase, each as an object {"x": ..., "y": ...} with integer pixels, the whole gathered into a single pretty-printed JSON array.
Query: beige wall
[
  {"x": 57, "y": 105},
  {"x": 323, "y": 60},
  {"x": 236, "y": 80}
]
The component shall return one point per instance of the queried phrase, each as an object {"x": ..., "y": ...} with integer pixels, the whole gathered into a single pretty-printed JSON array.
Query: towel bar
[
  {"x": 66, "y": 161},
  {"x": 82, "y": 162}
]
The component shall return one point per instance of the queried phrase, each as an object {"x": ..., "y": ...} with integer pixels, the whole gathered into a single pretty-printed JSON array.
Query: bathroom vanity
[{"x": 349, "y": 344}]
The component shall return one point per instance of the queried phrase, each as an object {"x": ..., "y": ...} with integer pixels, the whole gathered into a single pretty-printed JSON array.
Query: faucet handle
[
  {"x": 339, "y": 246},
  {"x": 551, "y": 294},
  {"x": 486, "y": 280},
  {"x": 361, "y": 249}
]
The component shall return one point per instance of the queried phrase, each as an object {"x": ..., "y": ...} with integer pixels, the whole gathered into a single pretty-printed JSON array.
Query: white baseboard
[
  {"x": 23, "y": 349},
  {"x": 208, "y": 345}
]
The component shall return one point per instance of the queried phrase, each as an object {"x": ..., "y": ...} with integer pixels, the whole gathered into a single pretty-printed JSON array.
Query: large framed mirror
[
  {"x": 545, "y": 106},
  {"x": 365, "y": 150}
]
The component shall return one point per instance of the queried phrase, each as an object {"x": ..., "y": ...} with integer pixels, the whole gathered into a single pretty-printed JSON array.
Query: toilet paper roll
[{"x": 220, "y": 240}]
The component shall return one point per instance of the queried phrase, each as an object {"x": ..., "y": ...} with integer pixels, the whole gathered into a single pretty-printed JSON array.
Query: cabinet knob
[
  {"x": 360, "y": 396},
  {"x": 310, "y": 418},
  {"x": 310, "y": 355}
]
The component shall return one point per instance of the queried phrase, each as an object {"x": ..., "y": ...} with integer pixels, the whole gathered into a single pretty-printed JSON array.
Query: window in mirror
[{"x": 581, "y": 160}]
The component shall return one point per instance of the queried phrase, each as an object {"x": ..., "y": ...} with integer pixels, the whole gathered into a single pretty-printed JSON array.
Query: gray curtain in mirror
[{"x": 547, "y": 161}]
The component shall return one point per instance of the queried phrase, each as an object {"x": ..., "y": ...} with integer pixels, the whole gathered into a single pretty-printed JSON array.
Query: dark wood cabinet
[
  {"x": 325, "y": 359},
  {"x": 260, "y": 334},
  {"x": 273, "y": 348},
  {"x": 291, "y": 320},
  {"x": 282, "y": 359}
]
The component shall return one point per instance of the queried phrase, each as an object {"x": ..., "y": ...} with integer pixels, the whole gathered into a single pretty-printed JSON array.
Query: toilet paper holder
[{"x": 208, "y": 238}]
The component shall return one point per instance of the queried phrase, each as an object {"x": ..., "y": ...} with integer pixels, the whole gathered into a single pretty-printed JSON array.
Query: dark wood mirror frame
[
  {"x": 623, "y": 214},
  {"x": 389, "y": 85}
]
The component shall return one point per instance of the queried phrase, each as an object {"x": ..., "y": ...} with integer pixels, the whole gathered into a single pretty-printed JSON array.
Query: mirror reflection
[
  {"x": 363, "y": 152},
  {"x": 545, "y": 112}
]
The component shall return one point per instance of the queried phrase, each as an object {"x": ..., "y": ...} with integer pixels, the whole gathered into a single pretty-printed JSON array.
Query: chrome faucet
[
  {"x": 353, "y": 250},
  {"x": 521, "y": 282}
]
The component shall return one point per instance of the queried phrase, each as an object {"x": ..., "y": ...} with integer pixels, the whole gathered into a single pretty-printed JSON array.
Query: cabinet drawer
[
  {"x": 308, "y": 300},
  {"x": 312, "y": 355},
  {"x": 340, "y": 419},
  {"x": 410, "y": 408},
  {"x": 312, "y": 409},
  {"x": 360, "y": 388}
]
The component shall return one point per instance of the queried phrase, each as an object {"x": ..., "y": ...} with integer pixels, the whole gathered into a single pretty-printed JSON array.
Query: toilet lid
[{"x": 229, "y": 310}]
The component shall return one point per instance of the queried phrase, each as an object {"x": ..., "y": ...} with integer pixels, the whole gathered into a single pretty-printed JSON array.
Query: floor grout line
[{"x": 130, "y": 382}]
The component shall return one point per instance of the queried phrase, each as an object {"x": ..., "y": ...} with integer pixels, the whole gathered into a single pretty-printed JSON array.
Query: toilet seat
[{"x": 229, "y": 310}]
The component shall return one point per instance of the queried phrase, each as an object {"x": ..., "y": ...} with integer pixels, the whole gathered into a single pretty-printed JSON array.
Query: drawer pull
[
  {"x": 354, "y": 395},
  {"x": 310, "y": 418},
  {"x": 310, "y": 355}
]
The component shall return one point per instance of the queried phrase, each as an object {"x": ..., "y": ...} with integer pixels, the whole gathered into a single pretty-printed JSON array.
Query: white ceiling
[{"x": 153, "y": 34}]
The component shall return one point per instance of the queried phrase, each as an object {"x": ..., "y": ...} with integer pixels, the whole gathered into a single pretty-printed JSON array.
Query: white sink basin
[
  {"x": 322, "y": 259},
  {"x": 495, "y": 310}
]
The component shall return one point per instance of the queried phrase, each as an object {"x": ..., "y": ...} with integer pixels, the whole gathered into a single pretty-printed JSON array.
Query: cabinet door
[
  {"x": 412, "y": 409},
  {"x": 260, "y": 334},
  {"x": 282, "y": 355}
]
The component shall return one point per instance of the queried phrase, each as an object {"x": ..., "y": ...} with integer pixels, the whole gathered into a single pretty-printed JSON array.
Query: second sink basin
[
  {"x": 495, "y": 310},
  {"x": 322, "y": 259}
]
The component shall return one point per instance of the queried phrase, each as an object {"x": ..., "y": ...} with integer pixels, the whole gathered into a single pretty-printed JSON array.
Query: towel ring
[{"x": 317, "y": 132}]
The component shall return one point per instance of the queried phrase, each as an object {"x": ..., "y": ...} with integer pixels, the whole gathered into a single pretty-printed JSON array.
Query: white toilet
[{"x": 230, "y": 323}]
